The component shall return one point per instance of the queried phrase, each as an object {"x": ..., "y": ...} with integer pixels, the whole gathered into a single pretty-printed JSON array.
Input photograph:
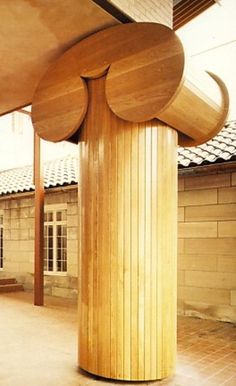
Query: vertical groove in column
[{"x": 128, "y": 247}]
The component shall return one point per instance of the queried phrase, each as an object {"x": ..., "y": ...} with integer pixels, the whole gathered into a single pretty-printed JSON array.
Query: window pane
[
  {"x": 49, "y": 216},
  {"x": 50, "y": 230},
  {"x": 61, "y": 248},
  {"x": 63, "y": 215},
  {"x": 58, "y": 230},
  {"x": 1, "y": 243},
  {"x": 55, "y": 243}
]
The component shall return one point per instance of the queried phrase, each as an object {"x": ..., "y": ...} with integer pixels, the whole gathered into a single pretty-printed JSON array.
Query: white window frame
[
  {"x": 55, "y": 208},
  {"x": 2, "y": 227}
]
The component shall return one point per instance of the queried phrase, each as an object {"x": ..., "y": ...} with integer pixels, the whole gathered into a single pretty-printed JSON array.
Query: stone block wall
[
  {"x": 18, "y": 212},
  {"x": 207, "y": 246},
  {"x": 159, "y": 11}
]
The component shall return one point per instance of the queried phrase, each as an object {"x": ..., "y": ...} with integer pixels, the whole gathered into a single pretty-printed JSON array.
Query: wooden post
[
  {"x": 128, "y": 206},
  {"x": 39, "y": 223},
  {"x": 137, "y": 97}
]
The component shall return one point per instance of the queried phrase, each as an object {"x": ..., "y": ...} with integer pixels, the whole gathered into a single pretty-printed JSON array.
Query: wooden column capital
[{"x": 147, "y": 77}]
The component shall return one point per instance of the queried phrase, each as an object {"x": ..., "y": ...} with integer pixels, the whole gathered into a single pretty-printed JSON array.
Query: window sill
[{"x": 51, "y": 273}]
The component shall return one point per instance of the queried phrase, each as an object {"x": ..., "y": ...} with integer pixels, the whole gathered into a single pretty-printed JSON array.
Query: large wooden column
[
  {"x": 123, "y": 93},
  {"x": 128, "y": 205}
]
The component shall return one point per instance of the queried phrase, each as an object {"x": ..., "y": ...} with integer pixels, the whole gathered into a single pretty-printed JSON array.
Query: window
[
  {"x": 55, "y": 239},
  {"x": 1, "y": 241}
]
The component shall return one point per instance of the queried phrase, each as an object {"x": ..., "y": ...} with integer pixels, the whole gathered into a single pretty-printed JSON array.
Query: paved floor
[{"x": 38, "y": 347}]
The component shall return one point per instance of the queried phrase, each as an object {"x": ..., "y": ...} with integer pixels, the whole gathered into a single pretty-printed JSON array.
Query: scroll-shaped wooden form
[
  {"x": 147, "y": 78},
  {"x": 113, "y": 89}
]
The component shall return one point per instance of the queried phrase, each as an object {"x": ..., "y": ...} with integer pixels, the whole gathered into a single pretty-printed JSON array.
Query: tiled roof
[
  {"x": 59, "y": 172},
  {"x": 222, "y": 148}
]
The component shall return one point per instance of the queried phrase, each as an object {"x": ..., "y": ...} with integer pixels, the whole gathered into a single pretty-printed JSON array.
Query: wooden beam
[
  {"x": 186, "y": 10},
  {"x": 39, "y": 223}
]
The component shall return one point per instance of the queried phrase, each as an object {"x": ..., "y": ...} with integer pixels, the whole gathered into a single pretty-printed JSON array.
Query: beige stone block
[
  {"x": 6, "y": 235},
  {"x": 64, "y": 292},
  {"x": 72, "y": 208},
  {"x": 180, "y": 184},
  {"x": 197, "y": 262},
  {"x": 180, "y": 306},
  {"x": 7, "y": 214},
  {"x": 206, "y": 295},
  {"x": 15, "y": 213},
  {"x": 214, "y": 280},
  {"x": 27, "y": 267},
  {"x": 29, "y": 201},
  {"x": 15, "y": 223},
  {"x": 72, "y": 246},
  {"x": 56, "y": 198},
  {"x": 14, "y": 203},
  {"x": 72, "y": 269},
  {"x": 180, "y": 214},
  {"x": 73, "y": 282},
  {"x": 73, "y": 196},
  {"x": 7, "y": 223},
  {"x": 227, "y": 263},
  {"x": 211, "y": 212},
  {"x": 199, "y": 197},
  {"x": 61, "y": 280},
  {"x": 233, "y": 179},
  {"x": 181, "y": 277},
  {"x": 31, "y": 211},
  {"x": 72, "y": 221},
  {"x": 73, "y": 257},
  {"x": 180, "y": 244},
  {"x": 233, "y": 298},
  {"x": 27, "y": 223},
  {"x": 26, "y": 245},
  {"x": 24, "y": 212},
  {"x": 11, "y": 246},
  {"x": 225, "y": 313},
  {"x": 15, "y": 234},
  {"x": 207, "y": 181},
  {"x": 24, "y": 234},
  {"x": 2, "y": 204},
  {"x": 72, "y": 233},
  {"x": 11, "y": 266},
  {"x": 227, "y": 195},
  {"x": 31, "y": 234},
  {"x": 227, "y": 229},
  {"x": 197, "y": 229},
  {"x": 225, "y": 246}
]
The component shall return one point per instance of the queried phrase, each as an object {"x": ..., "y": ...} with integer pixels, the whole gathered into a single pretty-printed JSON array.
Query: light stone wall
[
  {"x": 18, "y": 211},
  {"x": 207, "y": 246},
  {"x": 159, "y": 11}
]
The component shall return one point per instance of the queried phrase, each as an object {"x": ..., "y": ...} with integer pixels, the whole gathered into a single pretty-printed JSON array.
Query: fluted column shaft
[{"x": 128, "y": 219}]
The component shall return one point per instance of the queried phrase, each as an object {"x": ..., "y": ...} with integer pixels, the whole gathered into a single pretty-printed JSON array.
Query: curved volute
[{"x": 146, "y": 79}]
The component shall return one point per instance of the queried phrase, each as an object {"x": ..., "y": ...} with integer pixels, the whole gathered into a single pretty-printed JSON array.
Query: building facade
[{"x": 206, "y": 228}]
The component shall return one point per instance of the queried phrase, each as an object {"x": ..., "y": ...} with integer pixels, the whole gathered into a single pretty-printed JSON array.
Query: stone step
[
  {"x": 11, "y": 288},
  {"x": 7, "y": 280}
]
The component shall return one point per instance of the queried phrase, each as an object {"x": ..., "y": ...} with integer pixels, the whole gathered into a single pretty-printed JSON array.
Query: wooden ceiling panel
[
  {"x": 33, "y": 34},
  {"x": 186, "y": 10}
]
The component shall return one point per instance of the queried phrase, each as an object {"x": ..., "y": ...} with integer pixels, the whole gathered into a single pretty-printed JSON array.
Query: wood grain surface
[
  {"x": 146, "y": 78},
  {"x": 128, "y": 217},
  {"x": 149, "y": 59}
]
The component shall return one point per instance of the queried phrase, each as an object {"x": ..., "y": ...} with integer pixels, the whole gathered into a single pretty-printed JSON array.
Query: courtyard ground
[{"x": 38, "y": 347}]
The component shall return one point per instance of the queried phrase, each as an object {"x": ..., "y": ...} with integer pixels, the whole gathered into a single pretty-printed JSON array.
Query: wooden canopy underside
[{"x": 33, "y": 35}]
